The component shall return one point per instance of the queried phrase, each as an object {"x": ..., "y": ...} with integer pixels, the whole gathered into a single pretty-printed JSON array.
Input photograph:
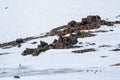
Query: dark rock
[
  {"x": 84, "y": 21},
  {"x": 34, "y": 43},
  {"x": 6, "y": 7},
  {"x": 84, "y": 50},
  {"x": 19, "y": 40},
  {"x": 6, "y": 53},
  {"x": 16, "y": 76},
  {"x": 90, "y": 22},
  {"x": 43, "y": 43},
  {"x": 118, "y": 64},
  {"x": 117, "y": 49},
  {"x": 36, "y": 51},
  {"x": 104, "y": 46},
  {"x": 64, "y": 42},
  {"x": 28, "y": 51},
  {"x": 103, "y": 56},
  {"x": 90, "y": 19},
  {"x": 40, "y": 49},
  {"x": 72, "y": 23},
  {"x": 19, "y": 45},
  {"x": 84, "y": 34},
  {"x": 73, "y": 39}
]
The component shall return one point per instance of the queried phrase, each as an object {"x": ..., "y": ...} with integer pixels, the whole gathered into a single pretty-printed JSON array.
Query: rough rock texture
[
  {"x": 73, "y": 29},
  {"x": 64, "y": 42},
  {"x": 36, "y": 51},
  {"x": 61, "y": 43},
  {"x": 90, "y": 22}
]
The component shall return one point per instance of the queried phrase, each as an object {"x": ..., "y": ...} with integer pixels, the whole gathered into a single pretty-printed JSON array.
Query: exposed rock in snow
[{"x": 84, "y": 50}]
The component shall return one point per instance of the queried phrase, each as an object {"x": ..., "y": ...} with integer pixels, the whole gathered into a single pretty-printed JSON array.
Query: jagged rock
[
  {"x": 28, "y": 51},
  {"x": 64, "y": 42},
  {"x": 36, "y": 51},
  {"x": 43, "y": 43},
  {"x": 90, "y": 19},
  {"x": 90, "y": 22}
]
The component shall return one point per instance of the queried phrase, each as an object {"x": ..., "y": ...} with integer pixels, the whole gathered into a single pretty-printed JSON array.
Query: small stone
[{"x": 16, "y": 76}]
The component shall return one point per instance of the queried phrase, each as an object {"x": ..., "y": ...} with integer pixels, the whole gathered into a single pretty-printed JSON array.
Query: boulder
[
  {"x": 72, "y": 23},
  {"x": 64, "y": 42},
  {"x": 20, "y": 40}
]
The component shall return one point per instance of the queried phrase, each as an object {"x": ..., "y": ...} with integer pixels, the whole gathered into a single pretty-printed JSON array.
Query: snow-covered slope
[
  {"x": 62, "y": 64},
  {"x": 21, "y": 18}
]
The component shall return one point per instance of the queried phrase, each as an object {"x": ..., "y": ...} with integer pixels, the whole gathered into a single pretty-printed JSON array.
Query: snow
[
  {"x": 32, "y": 17},
  {"x": 62, "y": 64},
  {"x": 25, "y": 18}
]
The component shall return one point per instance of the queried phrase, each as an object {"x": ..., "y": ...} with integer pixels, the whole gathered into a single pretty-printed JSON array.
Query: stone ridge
[{"x": 67, "y": 35}]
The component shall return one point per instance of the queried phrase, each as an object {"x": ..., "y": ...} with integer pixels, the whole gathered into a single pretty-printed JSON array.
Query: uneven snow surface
[{"x": 23, "y": 18}]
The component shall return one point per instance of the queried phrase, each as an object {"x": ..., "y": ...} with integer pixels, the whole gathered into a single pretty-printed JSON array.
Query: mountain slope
[{"x": 25, "y": 18}]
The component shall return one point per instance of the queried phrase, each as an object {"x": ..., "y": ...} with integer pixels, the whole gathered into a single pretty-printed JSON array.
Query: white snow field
[{"x": 23, "y": 18}]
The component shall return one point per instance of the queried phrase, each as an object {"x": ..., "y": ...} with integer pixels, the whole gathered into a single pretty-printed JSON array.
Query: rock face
[
  {"x": 36, "y": 51},
  {"x": 64, "y": 42}
]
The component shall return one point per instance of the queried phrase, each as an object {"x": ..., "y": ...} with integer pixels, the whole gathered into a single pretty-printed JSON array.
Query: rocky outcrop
[
  {"x": 61, "y": 43},
  {"x": 73, "y": 29},
  {"x": 16, "y": 42},
  {"x": 36, "y": 51},
  {"x": 64, "y": 42},
  {"x": 90, "y": 22}
]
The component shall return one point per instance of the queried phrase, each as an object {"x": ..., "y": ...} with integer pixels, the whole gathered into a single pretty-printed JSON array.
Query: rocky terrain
[{"x": 67, "y": 36}]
